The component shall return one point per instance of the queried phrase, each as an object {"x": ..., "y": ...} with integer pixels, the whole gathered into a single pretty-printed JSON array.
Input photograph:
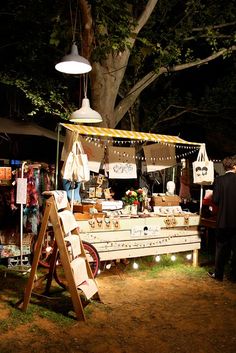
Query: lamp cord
[
  {"x": 85, "y": 77},
  {"x": 73, "y": 25}
]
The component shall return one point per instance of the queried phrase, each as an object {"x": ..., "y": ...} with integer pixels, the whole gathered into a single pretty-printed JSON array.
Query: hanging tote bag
[
  {"x": 203, "y": 169},
  {"x": 75, "y": 167}
]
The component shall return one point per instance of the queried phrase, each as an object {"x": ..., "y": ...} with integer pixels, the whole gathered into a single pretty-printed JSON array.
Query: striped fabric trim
[{"x": 126, "y": 134}]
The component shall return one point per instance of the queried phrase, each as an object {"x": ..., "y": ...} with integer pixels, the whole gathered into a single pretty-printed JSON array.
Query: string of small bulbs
[
  {"x": 101, "y": 143},
  {"x": 136, "y": 142}
]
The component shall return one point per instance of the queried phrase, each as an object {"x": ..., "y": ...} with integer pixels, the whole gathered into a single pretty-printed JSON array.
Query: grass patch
[
  {"x": 151, "y": 268},
  {"x": 54, "y": 309},
  {"x": 15, "y": 318}
]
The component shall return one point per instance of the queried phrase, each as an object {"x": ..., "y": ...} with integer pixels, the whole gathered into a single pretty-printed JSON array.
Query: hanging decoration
[
  {"x": 95, "y": 154},
  {"x": 121, "y": 164},
  {"x": 165, "y": 153}
]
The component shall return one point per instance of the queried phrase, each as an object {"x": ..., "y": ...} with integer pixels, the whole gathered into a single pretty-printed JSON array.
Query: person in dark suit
[{"x": 224, "y": 196}]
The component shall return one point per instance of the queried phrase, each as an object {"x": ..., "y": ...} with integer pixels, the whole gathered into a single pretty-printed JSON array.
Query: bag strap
[
  {"x": 202, "y": 155},
  {"x": 77, "y": 147}
]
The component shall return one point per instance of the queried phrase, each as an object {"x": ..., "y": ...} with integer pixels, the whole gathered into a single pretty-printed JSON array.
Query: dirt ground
[{"x": 172, "y": 310}]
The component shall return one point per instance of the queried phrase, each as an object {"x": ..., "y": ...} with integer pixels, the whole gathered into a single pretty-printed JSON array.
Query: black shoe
[{"x": 213, "y": 276}]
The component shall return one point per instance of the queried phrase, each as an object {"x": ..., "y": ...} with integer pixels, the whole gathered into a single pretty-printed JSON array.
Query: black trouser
[{"x": 225, "y": 247}]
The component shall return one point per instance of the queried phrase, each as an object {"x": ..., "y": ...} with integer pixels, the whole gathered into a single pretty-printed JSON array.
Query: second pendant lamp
[{"x": 85, "y": 114}]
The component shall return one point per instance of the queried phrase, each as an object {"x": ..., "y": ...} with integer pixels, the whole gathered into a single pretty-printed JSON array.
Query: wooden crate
[
  {"x": 85, "y": 208},
  {"x": 86, "y": 216},
  {"x": 165, "y": 200}
]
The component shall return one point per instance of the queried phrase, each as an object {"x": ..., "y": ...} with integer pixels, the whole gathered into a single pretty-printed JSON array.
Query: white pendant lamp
[
  {"x": 73, "y": 63},
  {"x": 85, "y": 114}
]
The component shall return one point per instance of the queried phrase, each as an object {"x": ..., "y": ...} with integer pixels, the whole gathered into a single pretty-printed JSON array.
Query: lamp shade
[
  {"x": 85, "y": 114},
  {"x": 73, "y": 63}
]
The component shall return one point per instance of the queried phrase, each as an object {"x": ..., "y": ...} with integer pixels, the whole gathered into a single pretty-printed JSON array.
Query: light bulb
[
  {"x": 173, "y": 258},
  {"x": 108, "y": 266},
  {"x": 189, "y": 256},
  {"x": 158, "y": 258}
]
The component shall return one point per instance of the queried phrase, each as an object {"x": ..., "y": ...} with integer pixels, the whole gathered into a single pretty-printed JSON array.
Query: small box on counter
[
  {"x": 165, "y": 200},
  {"x": 85, "y": 207}
]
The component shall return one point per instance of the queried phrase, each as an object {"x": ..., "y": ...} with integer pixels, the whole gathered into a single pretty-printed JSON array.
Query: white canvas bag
[
  {"x": 203, "y": 169},
  {"x": 75, "y": 167}
]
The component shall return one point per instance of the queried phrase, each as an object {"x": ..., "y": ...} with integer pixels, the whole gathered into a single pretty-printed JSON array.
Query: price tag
[{"x": 21, "y": 190}]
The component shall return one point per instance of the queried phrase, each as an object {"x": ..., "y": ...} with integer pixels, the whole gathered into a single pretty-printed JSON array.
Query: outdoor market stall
[{"x": 117, "y": 233}]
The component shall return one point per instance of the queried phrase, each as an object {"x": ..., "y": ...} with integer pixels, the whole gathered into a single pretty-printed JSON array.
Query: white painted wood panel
[
  {"x": 125, "y": 235},
  {"x": 132, "y": 253},
  {"x": 137, "y": 237}
]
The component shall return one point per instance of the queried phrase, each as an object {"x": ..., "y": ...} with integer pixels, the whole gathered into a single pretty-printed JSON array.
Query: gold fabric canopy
[{"x": 126, "y": 134}]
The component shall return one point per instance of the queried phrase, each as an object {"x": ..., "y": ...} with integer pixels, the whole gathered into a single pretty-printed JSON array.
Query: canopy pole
[
  {"x": 21, "y": 219},
  {"x": 57, "y": 155},
  {"x": 201, "y": 197}
]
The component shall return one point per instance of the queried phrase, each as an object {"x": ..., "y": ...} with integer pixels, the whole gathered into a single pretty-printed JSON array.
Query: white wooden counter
[{"x": 120, "y": 238}]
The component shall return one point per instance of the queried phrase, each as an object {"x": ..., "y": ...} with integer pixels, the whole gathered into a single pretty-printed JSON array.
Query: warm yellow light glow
[
  {"x": 158, "y": 258},
  {"x": 173, "y": 258},
  {"x": 135, "y": 266},
  {"x": 48, "y": 249}
]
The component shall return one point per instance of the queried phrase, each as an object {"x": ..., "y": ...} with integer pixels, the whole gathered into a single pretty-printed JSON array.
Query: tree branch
[
  {"x": 145, "y": 15},
  {"x": 123, "y": 106},
  {"x": 222, "y": 25}
]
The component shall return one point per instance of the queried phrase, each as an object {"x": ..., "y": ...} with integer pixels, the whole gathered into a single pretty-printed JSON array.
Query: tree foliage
[{"x": 131, "y": 45}]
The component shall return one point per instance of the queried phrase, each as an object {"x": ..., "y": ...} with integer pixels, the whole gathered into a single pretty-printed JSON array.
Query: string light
[
  {"x": 189, "y": 256},
  {"x": 101, "y": 143},
  {"x": 158, "y": 258},
  {"x": 173, "y": 258},
  {"x": 135, "y": 265}
]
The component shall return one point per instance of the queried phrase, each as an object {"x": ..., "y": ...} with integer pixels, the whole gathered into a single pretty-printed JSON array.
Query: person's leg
[
  {"x": 233, "y": 257},
  {"x": 222, "y": 252}
]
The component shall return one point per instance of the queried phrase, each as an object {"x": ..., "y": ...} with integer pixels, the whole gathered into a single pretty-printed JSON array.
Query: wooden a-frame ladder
[{"x": 51, "y": 214}]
